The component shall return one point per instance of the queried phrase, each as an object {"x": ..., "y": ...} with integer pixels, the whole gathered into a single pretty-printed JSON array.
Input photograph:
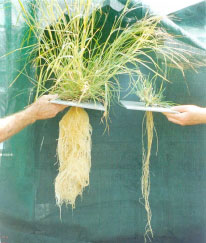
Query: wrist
[
  {"x": 30, "y": 115},
  {"x": 203, "y": 115}
]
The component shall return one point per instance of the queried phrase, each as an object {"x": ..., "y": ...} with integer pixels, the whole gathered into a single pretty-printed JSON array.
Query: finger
[
  {"x": 51, "y": 97},
  {"x": 62, "y": 107},
  {"x": 176, "y": 121},
  {"x": 181, "y": 108},
  {"x": 172, "y": 115},
  {"x": 59, "y": 107},
  {"x": 167, "y": 114}
]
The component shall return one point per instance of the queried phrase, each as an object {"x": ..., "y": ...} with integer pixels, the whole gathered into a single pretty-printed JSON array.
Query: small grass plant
[{"x": 146, "y": 90}]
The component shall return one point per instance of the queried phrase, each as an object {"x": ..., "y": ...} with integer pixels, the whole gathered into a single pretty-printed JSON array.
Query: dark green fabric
[
  {"x": 193, "y": 20},
  {"x": 109, "y": 210}
]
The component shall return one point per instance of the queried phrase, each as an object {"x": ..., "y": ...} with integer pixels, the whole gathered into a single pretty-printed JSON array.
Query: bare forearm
[
  {"x": 13, "y": 124},
  {"x": 203, "y": 116},
  {"x": 39, "y": 110}
]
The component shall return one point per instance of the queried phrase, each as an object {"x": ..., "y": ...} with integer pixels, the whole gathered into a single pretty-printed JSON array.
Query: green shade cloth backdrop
[{"x": 109, "y": 210}]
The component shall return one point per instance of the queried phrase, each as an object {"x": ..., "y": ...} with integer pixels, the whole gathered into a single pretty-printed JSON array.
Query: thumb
[{"x": 51, "y": 97}]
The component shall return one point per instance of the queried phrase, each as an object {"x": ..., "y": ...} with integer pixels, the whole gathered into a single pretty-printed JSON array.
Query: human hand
[
  {"x": 44, "y": 109},
  {"x": 189, "y": 115}
]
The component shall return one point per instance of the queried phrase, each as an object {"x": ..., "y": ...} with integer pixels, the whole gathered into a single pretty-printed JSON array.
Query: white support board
[
  {"x": 140, "y": 106},
  {"x": 87, "y": 105}
]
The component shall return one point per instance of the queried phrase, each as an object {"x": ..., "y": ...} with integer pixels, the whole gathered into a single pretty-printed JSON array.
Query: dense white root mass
[{"x": 74, "y": 153}]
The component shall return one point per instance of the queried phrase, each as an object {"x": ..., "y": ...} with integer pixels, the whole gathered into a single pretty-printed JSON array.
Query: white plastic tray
[
  {"x": 140, "y": 106},
  {"x": 87, "y": 105}
]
